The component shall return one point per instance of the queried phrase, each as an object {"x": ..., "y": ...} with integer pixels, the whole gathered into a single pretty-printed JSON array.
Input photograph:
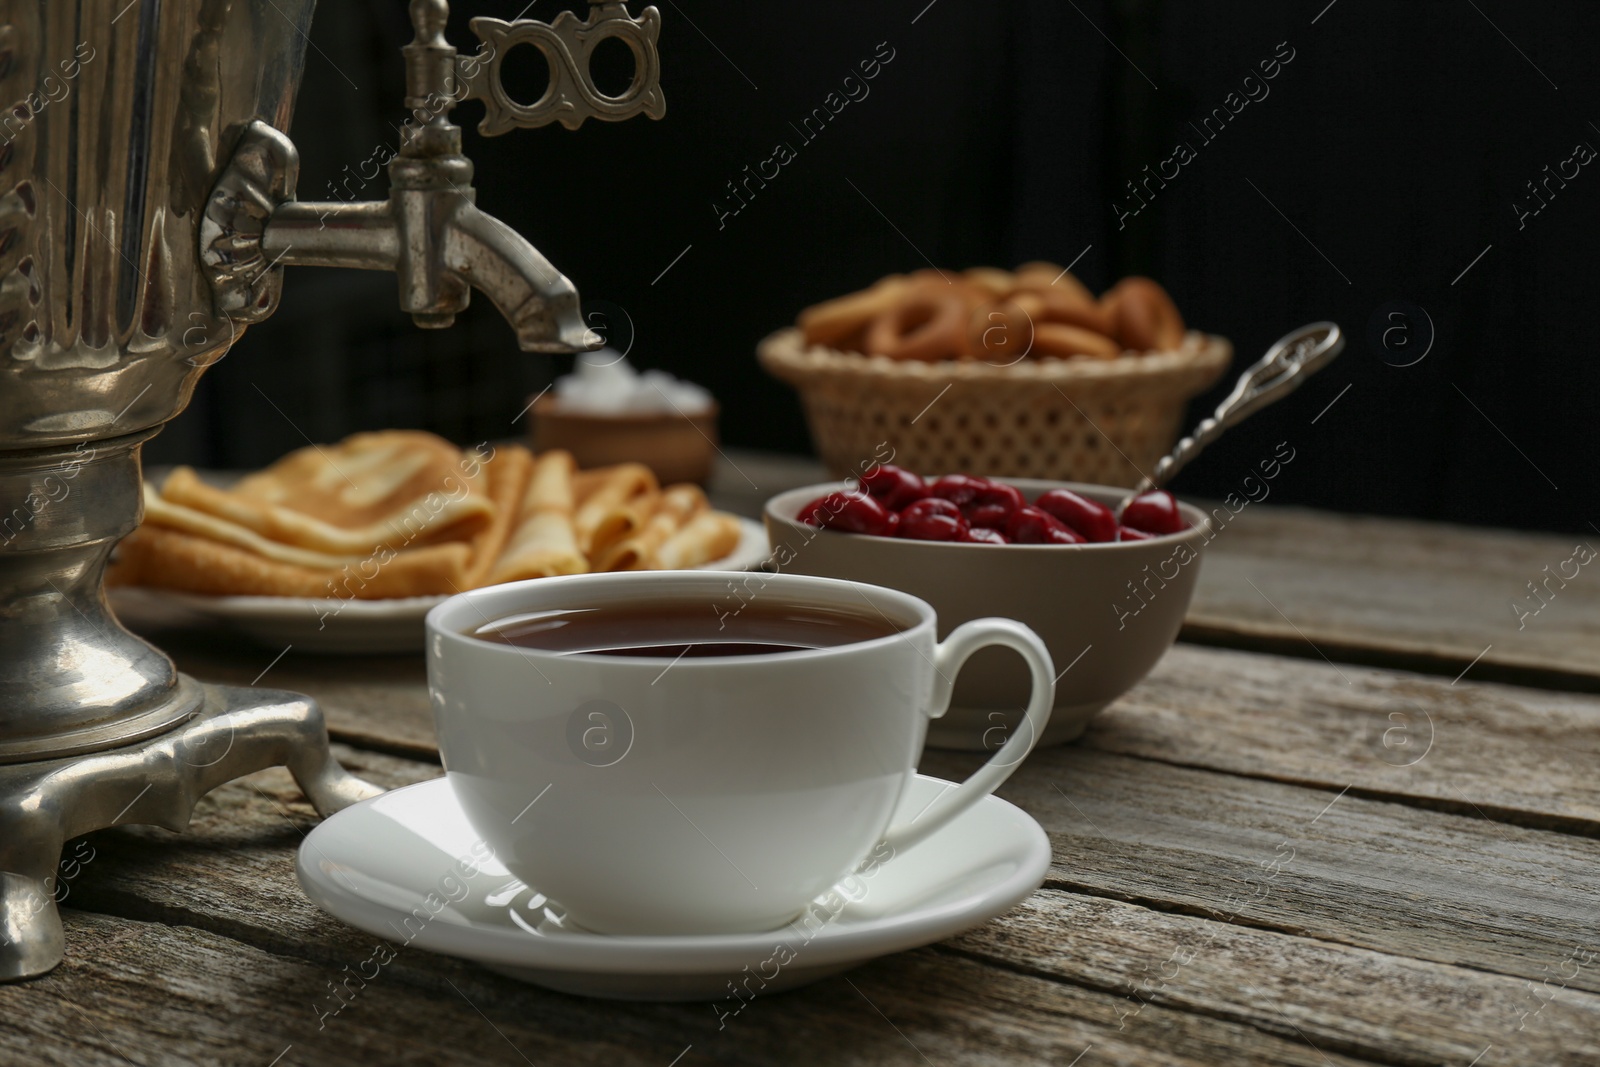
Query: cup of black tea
[{"x": 689, "y": 752}]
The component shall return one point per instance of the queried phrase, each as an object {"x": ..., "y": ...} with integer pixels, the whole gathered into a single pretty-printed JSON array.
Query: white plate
[
  {"x": 332, "y": 625},
  {"x": 393, "y": 866}
]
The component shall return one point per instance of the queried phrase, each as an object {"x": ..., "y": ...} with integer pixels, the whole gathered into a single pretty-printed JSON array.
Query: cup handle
[{"x": 948, "y": 658}]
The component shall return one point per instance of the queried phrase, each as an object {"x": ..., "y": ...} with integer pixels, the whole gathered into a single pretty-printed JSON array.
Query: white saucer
[
  {"x": 334, "y": 626},
  {"x": 375, "y": 865}
]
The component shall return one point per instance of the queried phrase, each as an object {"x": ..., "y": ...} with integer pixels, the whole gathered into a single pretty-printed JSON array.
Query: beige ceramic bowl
[
  {"x": 1107, "y": 612},
  {"x": 678, "y": 448}
]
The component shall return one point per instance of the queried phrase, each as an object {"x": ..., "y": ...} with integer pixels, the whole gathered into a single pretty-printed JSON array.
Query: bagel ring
[
  {"x": 834, "y": 322},
  {"x": 1064, "y": 341},
  {"x": 927, "y": 325},
  {"x": 1002, "y": 332},
  {"x": 1032, "y": 322},
  {"x": 1065, "y": 305},
  {"x": 934, "y": 278},
  {"x": 1038, "y": 273},
  {"x": 992, "y": 282},
  {"x": 1063, "y": 285},
  {"x": 1143, "y": 315}
]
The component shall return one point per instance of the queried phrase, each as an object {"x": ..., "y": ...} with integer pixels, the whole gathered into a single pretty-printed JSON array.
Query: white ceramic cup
[{"x": 714, "y": 794}]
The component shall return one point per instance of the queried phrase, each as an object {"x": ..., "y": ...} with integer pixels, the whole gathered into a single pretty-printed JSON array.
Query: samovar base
[{"x": 158, "y": 780}]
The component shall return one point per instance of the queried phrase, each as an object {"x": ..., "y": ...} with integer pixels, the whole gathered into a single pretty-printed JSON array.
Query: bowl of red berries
[{"x": 1108, "y": 595}]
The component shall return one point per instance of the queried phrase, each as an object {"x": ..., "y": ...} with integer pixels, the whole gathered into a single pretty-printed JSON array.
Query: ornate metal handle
[
  {"x": 1292, "y": 359},
  {"x": 568, "y": 46}
]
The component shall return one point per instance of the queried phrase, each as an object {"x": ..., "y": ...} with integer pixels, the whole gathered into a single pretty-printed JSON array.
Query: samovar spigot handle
[
  {"x": 430, "y": 83},
  {"x": 568, "y": 46}
]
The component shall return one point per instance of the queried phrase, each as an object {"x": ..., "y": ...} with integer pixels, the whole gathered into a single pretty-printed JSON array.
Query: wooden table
[{"x": 1323, "y": 831}]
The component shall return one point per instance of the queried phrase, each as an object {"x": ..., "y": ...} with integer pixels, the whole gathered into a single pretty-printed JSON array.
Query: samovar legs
[{"x": 158, "y": 781}]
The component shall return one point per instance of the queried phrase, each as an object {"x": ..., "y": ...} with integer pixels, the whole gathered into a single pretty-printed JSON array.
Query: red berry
[
  {"x": 994, "y": 516},
  {"x": 1128, "y": 533},
  {"x": 1093, "y": 520},
  {"x": 985, "y": 503},
  {"x": 959, "y": 489},
  {"x": 998, "y": 493},
  {"x": 985, "y": 536},
  {"x": 931, "y": 505},
  {"x": 932, "y": 519},
  {"x": 852, "y": 513},
  {"x": 1155, "y": 512},
  {"x": 933, "y": 528},
  {"x": 894, "y": 486},
  {"x": 1030, "y": 526}
]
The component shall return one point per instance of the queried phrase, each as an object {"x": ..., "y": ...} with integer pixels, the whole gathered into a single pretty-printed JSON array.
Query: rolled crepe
[
  {"x": 709, "y": 536},
  {"x": 606, "y": 516},
  {"x": 544, "y": 542},
  {"x": 510, "y": 473},
  {"x": 552, "y": 488},
  {"x": 678, "y": 505}
]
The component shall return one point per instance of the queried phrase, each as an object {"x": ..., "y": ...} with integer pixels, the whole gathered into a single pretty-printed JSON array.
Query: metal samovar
[{"x": 147, "y": 211}]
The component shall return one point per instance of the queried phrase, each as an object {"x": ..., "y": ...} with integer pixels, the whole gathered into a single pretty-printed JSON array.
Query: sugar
[{"x": 605, "y": 383}]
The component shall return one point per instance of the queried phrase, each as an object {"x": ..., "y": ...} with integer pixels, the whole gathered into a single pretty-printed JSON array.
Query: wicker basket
[{"x": 1085, "y": 420}]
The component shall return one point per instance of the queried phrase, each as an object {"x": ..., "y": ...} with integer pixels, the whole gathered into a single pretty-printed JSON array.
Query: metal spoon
[{"x": 1292, "y": 359}]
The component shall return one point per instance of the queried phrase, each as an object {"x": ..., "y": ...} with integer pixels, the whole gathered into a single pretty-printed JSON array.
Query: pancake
[
  {"x": 174, "y": 559},
  {"x": 184, "y": 548},
  {"x": 397, "y": 488},
  {"x": 404, "y": 513}
]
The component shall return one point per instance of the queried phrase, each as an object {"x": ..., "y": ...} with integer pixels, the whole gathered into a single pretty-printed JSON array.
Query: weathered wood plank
[
  {"x": 147, "y": 992},
  {"x": 1436, "y": 595},
  {"x": 377, "y": 702},
  {"x": 1335, "y": 997},
  {"x": 1370, "y": 875},
  {"x": 239, "y": 847},
  {"x": 1431, "y": 885},
  {"x": 1521, "y": 755}
]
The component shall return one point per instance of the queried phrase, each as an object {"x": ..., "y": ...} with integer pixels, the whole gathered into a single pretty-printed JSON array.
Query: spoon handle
[{"x": 1292, "y": 359}]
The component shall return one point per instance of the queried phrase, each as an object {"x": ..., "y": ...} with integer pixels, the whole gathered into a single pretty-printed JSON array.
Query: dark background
[{"x": 1385, "y": 159}]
